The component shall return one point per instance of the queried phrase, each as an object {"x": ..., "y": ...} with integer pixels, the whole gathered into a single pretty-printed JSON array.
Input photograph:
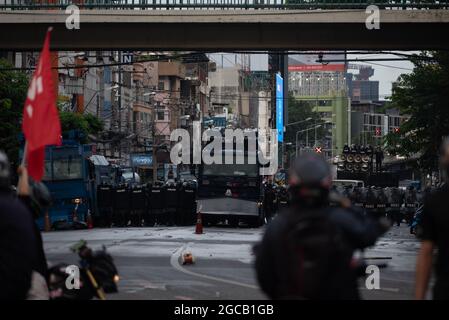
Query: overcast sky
[{"x": 386, "y": 72}]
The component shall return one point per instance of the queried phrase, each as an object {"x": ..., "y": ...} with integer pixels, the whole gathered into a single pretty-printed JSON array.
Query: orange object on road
[{"x": 199, "y": 224}]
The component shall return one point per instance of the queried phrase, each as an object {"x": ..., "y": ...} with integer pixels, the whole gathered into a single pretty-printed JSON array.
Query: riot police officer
[
  {"x": 370, "y": 202},
  {"x": 269, "y": 200},
  {"x": 381, "y": 202},
  {"x": 306, "y": 252},
  {"x": 411, "y": 203},
  {"x": 357, "y": 198},
  {"x": 282, "y": 198},
  {"x": 394, "y": 206}
]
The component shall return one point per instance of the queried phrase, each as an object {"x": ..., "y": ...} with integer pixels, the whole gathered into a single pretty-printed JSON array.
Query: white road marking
[
  {"x": 174, "y": 261},
  {"x": 395, "y": 290}
]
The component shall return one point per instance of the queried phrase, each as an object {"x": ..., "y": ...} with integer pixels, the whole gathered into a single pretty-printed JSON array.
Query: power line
[
  {"x": 185, "y": 55},
  {"x": 389, "y": 66}
]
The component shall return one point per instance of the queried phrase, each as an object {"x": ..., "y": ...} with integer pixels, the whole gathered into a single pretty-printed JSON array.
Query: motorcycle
[{"x": 98, "y": 275}]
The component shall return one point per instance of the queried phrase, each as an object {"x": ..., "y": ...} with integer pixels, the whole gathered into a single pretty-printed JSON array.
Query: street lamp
[
  {"x": 307, "y": 136},
  {"x": 326, "y": 122},
  {"x": 298, "y": 122}
]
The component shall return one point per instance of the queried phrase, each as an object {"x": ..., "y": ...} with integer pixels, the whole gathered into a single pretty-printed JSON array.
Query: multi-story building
[
  {"x": 333, "y": 110},
  {"x": 257, "y": 85},
  {"x": 145, "y": 82},
  {"x": 360, "y": 87},
  {"x": 194, "y": 88},
  {"x": 324, "y": 87},
  {"x": 369, "y": 124},
  {"x": 168, "y": 99},
  {"x": 226, "y": 87}
]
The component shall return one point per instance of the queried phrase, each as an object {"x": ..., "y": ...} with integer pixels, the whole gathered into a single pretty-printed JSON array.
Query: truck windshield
[
  {"x": 236, "y": 170},
  {"x": 69, "y": 168}
]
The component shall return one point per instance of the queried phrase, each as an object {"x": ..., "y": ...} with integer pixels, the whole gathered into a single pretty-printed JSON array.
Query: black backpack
[{"x": 315, "y": 257}]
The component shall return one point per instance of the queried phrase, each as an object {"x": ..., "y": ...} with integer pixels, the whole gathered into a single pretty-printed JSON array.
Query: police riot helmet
[{"x": 310, "y": 180}]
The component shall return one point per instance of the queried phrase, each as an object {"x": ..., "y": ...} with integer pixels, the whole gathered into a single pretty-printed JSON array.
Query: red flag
[{"x": 40, "y": 125}]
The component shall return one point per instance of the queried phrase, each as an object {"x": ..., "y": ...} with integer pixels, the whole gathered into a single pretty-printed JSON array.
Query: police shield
[
  {"x": 105, "y": 204},
  {"x": 138, "y": 205},
  {"x": 187, "y": 205},
  {"x": 156, "y": 197},
  {"x": 121, "y": 206}
]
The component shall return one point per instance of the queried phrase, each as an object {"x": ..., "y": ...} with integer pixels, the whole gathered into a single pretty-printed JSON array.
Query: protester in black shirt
[
  {"x": 18, "y": 254},
  {"x": 307, "y": 250},
  {"x": 435, "y": 235}
]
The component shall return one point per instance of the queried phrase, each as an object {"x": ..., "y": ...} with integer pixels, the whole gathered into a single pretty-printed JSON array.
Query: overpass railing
[{"x": 221, "y": 4}]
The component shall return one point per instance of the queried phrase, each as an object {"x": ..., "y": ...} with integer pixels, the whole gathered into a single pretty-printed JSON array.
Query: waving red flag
[{"x": 40, "y": 125}]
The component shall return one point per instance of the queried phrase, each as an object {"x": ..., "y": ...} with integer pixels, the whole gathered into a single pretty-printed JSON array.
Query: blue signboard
[
  {"x": 138, "y": 160},
  {"x": 280, "y": 107}
]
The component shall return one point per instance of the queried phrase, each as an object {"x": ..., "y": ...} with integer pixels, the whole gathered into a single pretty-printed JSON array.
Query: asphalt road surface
[{"x": 149, "y": 261}]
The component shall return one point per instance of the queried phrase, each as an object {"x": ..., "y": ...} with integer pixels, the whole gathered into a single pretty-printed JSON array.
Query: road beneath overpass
[{"x": 226, "y": 30}]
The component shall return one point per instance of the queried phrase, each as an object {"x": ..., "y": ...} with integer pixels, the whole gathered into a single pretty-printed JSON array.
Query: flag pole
[{"x": 24, "y": 154}]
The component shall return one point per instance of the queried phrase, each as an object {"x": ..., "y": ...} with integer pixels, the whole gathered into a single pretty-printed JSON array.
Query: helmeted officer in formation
[{"x": 395, "y": 200}]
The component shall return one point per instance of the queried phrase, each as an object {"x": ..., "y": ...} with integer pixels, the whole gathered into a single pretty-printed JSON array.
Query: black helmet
[
  {"x": 5, "y": 171},
  {"x": 310, "y": 180},
  {"x": 312, "y": 170}
]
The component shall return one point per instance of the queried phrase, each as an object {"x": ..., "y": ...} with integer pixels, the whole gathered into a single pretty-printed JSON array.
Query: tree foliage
[
  {"x": 299, "y": 110},
  {"x": 13, "y": 90},
  {"x": 424, "y": 96},
  {"x": 86, "y": 123}
]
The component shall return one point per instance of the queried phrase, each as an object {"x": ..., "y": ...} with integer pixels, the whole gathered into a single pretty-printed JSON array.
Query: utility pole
[
  {"x": 120, "y": 102},
  {"x": 153, "y": 148}
]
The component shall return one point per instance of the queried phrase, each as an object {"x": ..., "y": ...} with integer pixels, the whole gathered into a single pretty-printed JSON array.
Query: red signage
[{"x": 317, "y": 67}]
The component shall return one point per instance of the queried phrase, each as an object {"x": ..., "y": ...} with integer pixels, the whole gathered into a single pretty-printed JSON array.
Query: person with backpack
[{"x": 307, "y": 251}]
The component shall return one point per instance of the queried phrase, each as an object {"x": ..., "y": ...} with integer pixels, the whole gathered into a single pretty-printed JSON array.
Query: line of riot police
[
  {"x": 170, "y": 203},
  {"x": 393, "y": 202}
]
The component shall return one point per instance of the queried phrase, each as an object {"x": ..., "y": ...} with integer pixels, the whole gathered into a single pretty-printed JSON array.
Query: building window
[
  {"x": 161, "y": 115},
  {"x": 324, "y": 103},
  {"x": 161, "y": 85}
]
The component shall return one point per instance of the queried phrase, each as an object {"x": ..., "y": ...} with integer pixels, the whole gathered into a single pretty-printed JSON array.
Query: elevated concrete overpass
[{"x": 103, "y": 29}]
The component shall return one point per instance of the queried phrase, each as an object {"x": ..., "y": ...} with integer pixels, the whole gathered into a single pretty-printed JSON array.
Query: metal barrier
[{"x": 220, "y": 4}]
